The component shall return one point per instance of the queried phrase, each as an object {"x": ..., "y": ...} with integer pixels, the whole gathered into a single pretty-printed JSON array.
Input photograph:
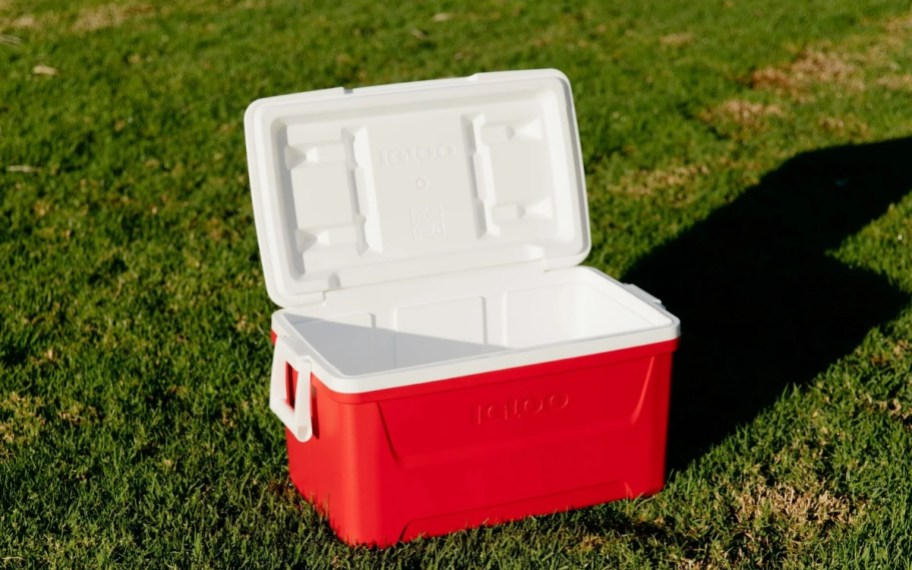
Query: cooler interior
[{"x": 420, "y": 322}]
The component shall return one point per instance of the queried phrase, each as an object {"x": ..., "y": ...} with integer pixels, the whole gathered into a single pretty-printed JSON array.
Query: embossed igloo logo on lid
[{"x": 414, "y": 154}]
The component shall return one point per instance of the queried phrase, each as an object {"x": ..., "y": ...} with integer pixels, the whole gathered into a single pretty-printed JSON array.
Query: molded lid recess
[{"x": 362, "y": 186}]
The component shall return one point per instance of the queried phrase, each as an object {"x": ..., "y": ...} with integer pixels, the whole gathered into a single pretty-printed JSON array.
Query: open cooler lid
[{"x": 359, "y": 186}]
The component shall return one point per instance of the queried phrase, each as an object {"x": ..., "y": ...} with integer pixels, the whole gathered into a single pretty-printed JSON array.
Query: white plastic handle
[{"x": 297, "y": 418}]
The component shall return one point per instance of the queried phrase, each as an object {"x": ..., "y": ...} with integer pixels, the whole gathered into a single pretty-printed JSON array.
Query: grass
[{"x": 747, "y": 163}]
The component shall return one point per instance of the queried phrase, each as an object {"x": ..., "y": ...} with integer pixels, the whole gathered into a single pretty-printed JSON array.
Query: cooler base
[
  {"x": 448, "y": 523},
  {"x": 549, "y": 504}
]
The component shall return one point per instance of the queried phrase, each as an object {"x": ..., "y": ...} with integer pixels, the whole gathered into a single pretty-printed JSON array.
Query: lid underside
[{"x": 363, "y": 186}]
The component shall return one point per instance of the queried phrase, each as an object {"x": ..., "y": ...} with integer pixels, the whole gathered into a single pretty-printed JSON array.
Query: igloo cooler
[{"x": 441, "y": 359}]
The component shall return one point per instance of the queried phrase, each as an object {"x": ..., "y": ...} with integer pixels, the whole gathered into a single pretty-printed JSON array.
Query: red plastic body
[{"x": 432, "y": 458}]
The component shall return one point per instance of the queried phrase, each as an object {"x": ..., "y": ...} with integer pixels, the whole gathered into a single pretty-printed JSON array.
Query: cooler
[{"x": 441, "y": 360}]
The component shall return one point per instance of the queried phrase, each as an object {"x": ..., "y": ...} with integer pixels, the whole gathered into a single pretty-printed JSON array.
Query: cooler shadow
[{"x": 761, "y": 303}]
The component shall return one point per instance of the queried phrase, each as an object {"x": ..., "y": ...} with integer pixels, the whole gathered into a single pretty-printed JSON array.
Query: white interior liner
[
  {"x": 430, "y": 230},
  {"x": 439, "y": 327}
]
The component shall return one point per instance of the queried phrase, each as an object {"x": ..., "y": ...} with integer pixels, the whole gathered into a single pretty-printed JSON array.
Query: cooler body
[
  {"x": 455, "y": 364},
  {"x": 429, "y": 459}
]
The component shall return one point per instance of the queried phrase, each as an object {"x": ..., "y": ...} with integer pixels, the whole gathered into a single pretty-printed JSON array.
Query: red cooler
[{"x": 441, "y": 360}]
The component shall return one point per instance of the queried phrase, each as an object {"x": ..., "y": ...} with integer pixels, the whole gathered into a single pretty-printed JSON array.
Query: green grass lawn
[{"x": 749, "y": 163}]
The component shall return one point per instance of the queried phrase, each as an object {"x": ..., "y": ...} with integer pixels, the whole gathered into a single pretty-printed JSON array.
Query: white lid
[{"x": 352, "y": 187}]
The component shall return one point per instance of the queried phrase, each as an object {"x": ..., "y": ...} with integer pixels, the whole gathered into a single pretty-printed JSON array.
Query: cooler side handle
[
  {"x": 296, "y": 419},
  {"x": 643, "y": 294}
]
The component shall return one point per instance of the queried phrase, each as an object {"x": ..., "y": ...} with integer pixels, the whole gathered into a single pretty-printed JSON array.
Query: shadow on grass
[{"x": 761, "y": 303}]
